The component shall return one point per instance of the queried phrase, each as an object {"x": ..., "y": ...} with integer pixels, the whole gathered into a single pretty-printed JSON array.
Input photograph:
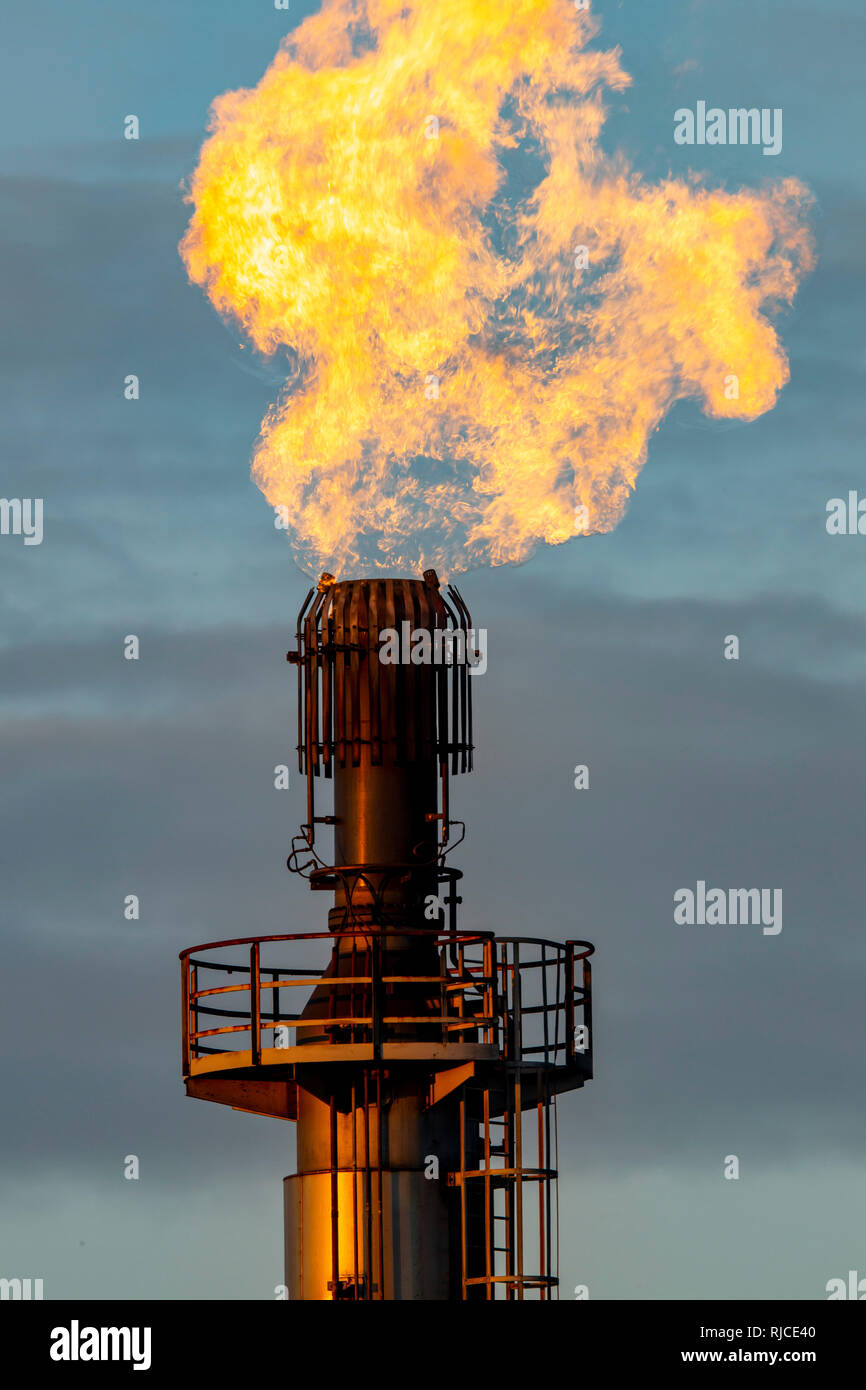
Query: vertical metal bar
[
  {"x": 506, "y": 1012},
  {"x": 445, "y": 809},
  {"x": 569, "y": 1000},
  {"x": 355, "y": 1184},
  {"x": 545, "y": 1005},
  {"x": 556, "y": 1169},
  {"x": 467, "y": 715},
  {"x": 463, "y": 1231},
  {"x": 313, "y": 668},
  {"x": 300, "y": 641},
  {"x": 542, "y": 1185},
  {"x": 275, "y": 1003},
  {"x": 442, "y": 722},
  {"x": 508, "y": 1145},
  {"x": 335, "y": 1206},
  {"x": 543, "y": 1181},
  {"x": 395, "y": 701},
  {"x": 340, "y": 711},
  {"x": 463, "y": 678},
  {"x": 488, "y": 1242},
  {"x": 373, "y": 674},
  {"x": 455, "y": 714},
  {"x": 380, "y": 1167},
  {"x": 368, "y": 1191},
  {"x": 517, "y": 1004},
  {"x": 489, "y": 990},
  {"x": 355, "y": 602},
  {"x": 443, "y": 991},
  {"x": 504, "y": 1031},
  {"x": 255, "y": 1006},
  {"x": 309, "y": 675},
  {"x": 560, "y": 1002},
  {"x": 357, "y": 1003},
  {"x": 548, "y": 1183},
  {"x": 518, "y": 1114},
  {"x": 413, "y": 685},
  {"x": 518, "y": 1177},
  {"x": 185, "y": 968},
  {"x": 194, "y": 990},
  {"x": 326, "y": 661},
  {"x": 375, "y": 1000}
]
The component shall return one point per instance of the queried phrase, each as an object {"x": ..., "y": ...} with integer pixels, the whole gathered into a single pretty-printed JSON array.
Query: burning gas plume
[{"x": 484, "y": 317}]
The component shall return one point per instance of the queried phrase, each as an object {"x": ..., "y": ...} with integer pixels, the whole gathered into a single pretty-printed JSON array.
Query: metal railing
[{"x": 531, "y": 999}]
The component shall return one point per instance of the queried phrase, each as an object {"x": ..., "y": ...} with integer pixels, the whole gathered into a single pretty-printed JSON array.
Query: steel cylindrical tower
[
  {"x": 380, "y": 725},
  {"x": 421, "y": 1063}
]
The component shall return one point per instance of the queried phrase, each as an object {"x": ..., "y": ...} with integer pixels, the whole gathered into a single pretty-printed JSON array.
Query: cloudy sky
[{"x": 155, "y": 777}]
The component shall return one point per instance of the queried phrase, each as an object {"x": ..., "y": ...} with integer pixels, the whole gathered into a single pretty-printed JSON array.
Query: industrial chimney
[{"x": 420, "y": 1063}]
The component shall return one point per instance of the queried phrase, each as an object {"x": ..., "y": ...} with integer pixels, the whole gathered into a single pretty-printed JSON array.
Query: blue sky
[{"x": 155, "y": 777}]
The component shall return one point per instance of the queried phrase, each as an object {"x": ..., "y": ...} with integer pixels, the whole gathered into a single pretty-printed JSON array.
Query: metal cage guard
[{"x": 335, "y": 631}]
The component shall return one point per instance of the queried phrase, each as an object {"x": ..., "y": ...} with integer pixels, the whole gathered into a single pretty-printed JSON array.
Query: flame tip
[{"x": 403, "y": 203}]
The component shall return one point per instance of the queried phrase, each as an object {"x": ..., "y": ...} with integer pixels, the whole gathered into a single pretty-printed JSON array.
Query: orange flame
[{"x": 399, "y": 205}]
